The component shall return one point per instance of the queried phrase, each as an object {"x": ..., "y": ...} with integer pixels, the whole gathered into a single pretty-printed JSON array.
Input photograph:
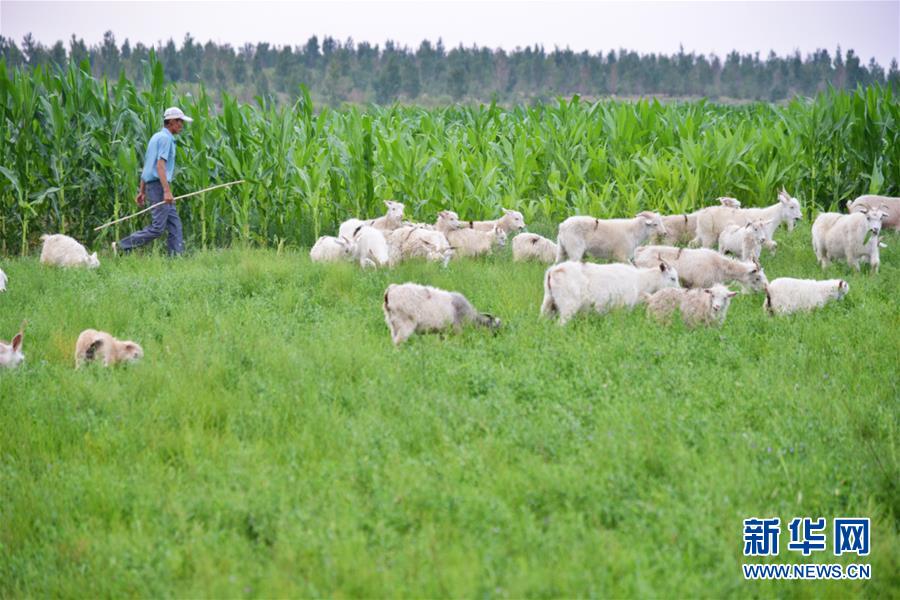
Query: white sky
[{"x": 871, "y": 28}]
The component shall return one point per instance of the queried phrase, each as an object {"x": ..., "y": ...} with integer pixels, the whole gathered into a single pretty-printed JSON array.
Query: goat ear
[
  {"x": 17, "y": 342},
  {"x": 732, "y": 294}
]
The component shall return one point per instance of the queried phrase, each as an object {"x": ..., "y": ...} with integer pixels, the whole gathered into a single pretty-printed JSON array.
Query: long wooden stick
[{"x": 151, "y": 207}]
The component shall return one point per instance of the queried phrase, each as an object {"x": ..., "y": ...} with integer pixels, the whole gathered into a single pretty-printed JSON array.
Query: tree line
[{"x": 339, "y": 72}]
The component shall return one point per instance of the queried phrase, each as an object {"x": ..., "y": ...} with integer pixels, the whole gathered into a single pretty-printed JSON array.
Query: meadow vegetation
[{"x": 274, "y": 443}]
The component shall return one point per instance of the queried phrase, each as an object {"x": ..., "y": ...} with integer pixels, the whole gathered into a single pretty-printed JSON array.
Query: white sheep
[
  {"x": 510, "y": 222},
  {"x": 531, "y": 246},
  {"x": 93, "y": 344},
  {"x": 572, "y": 286},
  {"x": 414, "y": 241},
  {"x": 370, "y": 247},
  {"x": 605, "y": 238},
  {"x": 698, "y": 306},
  {"x": 837, "y": 236},
  {"x": 890, "y": 206},
  {"x": 713, "y": 219},
  {"x": 11, "y": 355},
  {"x": 3, "y": 281},
  {"x": 703, "y": 268},
  {"x": 411, "y": 308},
  {"x": 331, "y": 249},
  {"x": 743, "y": 240},
  {"x": 786, "y": 294},
  {"x": 467, "y": 241},
  {"x": 62, "y": 251}
]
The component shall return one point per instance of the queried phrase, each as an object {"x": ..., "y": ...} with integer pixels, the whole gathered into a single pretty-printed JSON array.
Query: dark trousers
[{"x": 165, "y": 218}]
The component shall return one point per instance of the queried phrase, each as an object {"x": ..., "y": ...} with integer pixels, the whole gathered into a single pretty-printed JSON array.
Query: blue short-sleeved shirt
[{"x": 161, "y": 145}]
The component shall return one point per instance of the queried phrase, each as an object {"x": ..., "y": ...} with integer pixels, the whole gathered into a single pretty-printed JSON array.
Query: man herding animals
[{"x": 159, "y": 170}]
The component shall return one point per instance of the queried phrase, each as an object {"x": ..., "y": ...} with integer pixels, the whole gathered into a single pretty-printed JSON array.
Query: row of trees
[{"x": 338, "y": 72}]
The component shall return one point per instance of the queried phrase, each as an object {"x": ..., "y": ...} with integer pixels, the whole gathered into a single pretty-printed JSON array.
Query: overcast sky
[{"x": 870, "y": 28}]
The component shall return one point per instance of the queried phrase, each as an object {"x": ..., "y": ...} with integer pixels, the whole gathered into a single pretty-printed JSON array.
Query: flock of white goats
[{"x": 652, "y": 274}]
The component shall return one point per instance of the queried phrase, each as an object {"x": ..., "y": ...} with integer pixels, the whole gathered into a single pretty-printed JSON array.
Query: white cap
[{"x": 176, "y": 113}]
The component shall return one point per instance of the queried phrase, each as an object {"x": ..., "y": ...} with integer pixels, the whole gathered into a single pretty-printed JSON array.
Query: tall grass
[{"x": 71, "y": 150}]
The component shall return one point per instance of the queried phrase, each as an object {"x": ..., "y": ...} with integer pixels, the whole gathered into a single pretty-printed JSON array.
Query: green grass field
[{"x": 273, "y": 442}]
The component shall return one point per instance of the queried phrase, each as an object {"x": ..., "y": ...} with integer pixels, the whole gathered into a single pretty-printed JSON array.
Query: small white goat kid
[
  {"x": 744, "y": 241},
  {"x": 698, "y": 306}
]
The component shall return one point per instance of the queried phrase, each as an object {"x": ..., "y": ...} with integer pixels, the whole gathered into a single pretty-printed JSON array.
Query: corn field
[{"x": 71, "y": 150}]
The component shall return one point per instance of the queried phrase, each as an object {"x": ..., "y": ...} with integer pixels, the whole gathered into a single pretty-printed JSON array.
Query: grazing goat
[
  {"x": 411, "y": 308},
  {"x": 92, "y": 345},
  {"x": 698, "y": 306},
  {"x": 62, "y": 251},
  {"x": 531, "y": 246}
]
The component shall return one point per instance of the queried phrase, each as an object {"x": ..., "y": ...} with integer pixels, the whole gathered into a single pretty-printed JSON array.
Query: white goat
[
  {"x": 511, "y": 221},
  {"x": 703, "y": 268},
  {"x": 837, "y": 236},
  {"x": 698, "y": 306},
  {"x": 713, "y": 219},
  {"x": 466, "y": 241},
  {"x": 743, "y": 240},
  {"x": 370, "y": 247},
  {"x": 414, "y": 241},
  {"x": 571, "y": 287},
  {"x": 62, "y": 251},
  {"x": 93, "y": 344},
  {"x": 786, "y": 294},
  {"x": 331, "y": 249},
  {"x": 410, "y": 308},
  {"x": 390, "y": 221},
  {"x": 531, "y": 246},
  {"x": 605, "y": 238},
  {"x": 11, "y": 353},
  {"x": 3, "y": 281},
  {"x": 890, "y": 206}
]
